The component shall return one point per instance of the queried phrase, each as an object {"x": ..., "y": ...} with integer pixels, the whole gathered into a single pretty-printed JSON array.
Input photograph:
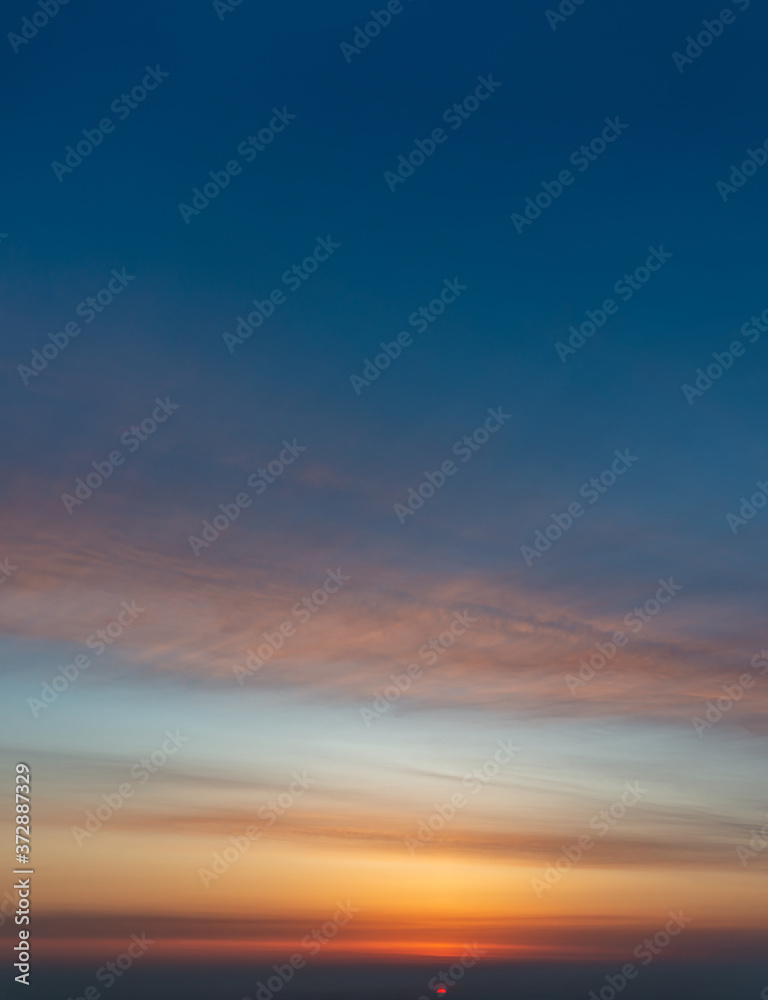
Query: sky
[{"x": 384, "y": 433}]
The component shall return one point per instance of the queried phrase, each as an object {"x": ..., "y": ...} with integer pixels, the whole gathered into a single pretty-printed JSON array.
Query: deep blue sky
[{"x": 656, "y": 185}]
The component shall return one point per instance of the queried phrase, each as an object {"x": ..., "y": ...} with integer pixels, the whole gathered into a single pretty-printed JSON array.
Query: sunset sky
[{"x": 340, "y": 459}]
